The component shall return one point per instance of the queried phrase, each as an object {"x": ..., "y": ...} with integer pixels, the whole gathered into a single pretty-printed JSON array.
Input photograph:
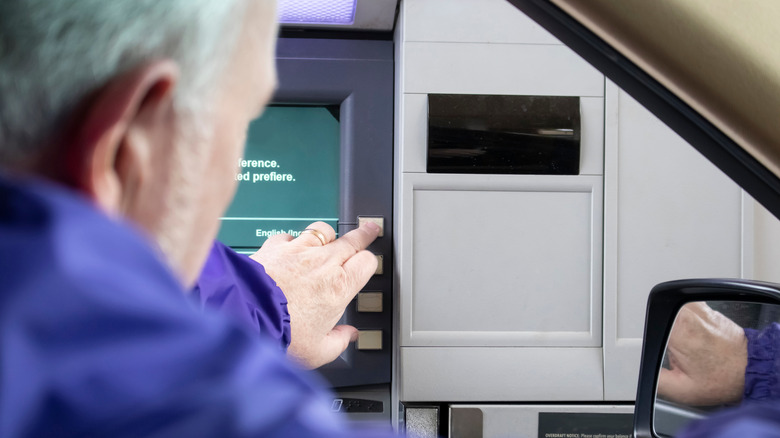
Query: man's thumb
[{"x": 337, "y": 341}]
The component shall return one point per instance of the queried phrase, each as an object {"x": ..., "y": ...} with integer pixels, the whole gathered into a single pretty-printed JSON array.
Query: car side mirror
[{"x": 695, "y": 350}]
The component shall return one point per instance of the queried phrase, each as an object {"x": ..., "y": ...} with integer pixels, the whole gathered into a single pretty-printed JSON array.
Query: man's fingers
[
  {"x": 317, "y": 234},
  {"x": 359, "y": 269},
  {"x": 277, "y": 239},
  {"x": 347, "y": 330},
  {"x": 699, "y": 308},
  {"x": 674, "y": 385},
  {"x": 337, "y": 341},
  {"x": 355, "y": 241}
]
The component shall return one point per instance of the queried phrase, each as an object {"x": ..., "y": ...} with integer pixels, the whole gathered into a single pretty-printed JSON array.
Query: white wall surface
[
  {"x": 766, "y": 265},
  {"x": 499, "y": 276},
  {"x": 465, "y": 249},
  {"x": 669, "y": 214}
]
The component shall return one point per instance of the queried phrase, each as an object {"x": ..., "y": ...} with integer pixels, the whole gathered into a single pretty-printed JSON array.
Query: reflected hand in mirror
[
  {"x": 719, "y": 354},
  {"x": 707, "y": 356}
]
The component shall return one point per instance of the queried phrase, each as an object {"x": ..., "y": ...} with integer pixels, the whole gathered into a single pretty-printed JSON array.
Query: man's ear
[{"x": 109, "y": 155}]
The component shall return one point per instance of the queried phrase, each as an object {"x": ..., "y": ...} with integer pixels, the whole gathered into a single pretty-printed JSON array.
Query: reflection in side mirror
[
  {"x": 732, "y": 324},
  {"x": 706, "y": 359}
]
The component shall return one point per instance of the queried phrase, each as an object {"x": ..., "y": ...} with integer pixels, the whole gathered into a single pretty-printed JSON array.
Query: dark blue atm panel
[{"x": 324, "y": 151}]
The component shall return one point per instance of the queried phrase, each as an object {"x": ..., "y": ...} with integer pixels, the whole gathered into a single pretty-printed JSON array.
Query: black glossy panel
[{"x": 492, "y": 134}]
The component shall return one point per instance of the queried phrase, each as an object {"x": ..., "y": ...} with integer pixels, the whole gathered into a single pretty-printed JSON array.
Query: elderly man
[{"x": 120, "y": 125}]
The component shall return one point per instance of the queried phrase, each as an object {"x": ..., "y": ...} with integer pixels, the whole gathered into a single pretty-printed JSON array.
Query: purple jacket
[
  {"x": 763, "y": 368},
  {"x": 97, "y": 338},
  {"x": 238, "y": 286},
  {"x": 751, "y": 420},
  {"x": 759, "y": 414}
]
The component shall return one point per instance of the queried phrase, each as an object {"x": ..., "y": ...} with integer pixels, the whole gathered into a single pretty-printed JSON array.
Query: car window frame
[{"x": 756, "y": 179}]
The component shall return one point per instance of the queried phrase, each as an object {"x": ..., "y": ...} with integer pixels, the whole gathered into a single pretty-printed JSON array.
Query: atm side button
[
  {"x": 369, "y": 302},
  {"x": 369, "y": 340},
  {"x": 380, "y": 221},
  {"x": 379, "y": 265}
]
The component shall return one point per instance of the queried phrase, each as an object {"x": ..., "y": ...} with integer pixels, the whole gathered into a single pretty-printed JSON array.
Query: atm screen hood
[{"x": 349, "y": 15}]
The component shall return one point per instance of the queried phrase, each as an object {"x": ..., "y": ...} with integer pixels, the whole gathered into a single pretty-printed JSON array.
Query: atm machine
[{"x": 323, "y": 151}]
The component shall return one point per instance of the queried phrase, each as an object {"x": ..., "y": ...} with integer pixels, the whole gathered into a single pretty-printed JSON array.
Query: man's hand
[
  {"x": 707, "y": 357},
  {"x": 319, "y": 275}
]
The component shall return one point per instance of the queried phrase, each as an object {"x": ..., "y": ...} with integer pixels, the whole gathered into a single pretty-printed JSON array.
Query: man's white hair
[{"x": 55, "y": 53}]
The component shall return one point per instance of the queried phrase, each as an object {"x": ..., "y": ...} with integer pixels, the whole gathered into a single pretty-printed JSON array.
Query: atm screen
[{"x": 288, "y": 176}]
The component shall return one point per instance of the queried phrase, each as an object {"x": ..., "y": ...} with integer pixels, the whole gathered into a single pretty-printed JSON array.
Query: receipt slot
[{"x": 490, "y": 134}]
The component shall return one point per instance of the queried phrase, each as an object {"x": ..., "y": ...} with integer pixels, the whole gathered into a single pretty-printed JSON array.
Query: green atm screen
[{"x": 288, "y": 177}]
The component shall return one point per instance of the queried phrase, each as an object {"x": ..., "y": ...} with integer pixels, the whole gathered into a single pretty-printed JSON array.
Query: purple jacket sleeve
[
  {"x": 763, "y": 367},
  {"x": 759, "y": 415},
  {"x": 238, "y": 286},
  {"x": 754, "y": 420}
]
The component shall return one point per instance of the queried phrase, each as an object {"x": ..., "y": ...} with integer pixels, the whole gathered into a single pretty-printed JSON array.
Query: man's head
[{"x": 142, "y": 105}]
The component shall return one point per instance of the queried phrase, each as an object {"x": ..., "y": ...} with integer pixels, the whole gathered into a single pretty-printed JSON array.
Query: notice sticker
[{"x": 585, "y": 425}]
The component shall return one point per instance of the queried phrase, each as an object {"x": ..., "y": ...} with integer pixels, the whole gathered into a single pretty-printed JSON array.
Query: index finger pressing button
[
  {"x": 354, "y": 241},
  {"x": 379, "y": 221}
]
